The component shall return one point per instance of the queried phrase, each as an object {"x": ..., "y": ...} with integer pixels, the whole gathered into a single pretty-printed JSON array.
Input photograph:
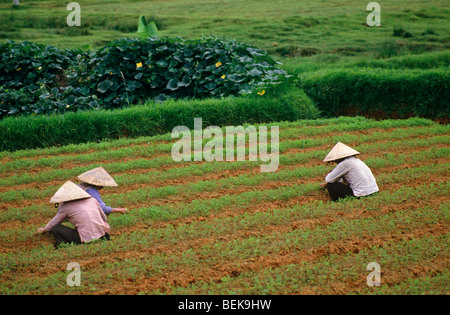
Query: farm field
[
  {"x": 227, "y": 228},
  {"x": 328, "y": 30}
]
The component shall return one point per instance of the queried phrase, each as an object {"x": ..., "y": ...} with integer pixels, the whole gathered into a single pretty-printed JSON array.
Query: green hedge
[
  {"x": 27, "y": 132},
  {"x": 380, "y": 93},
  {"x": 428, "y": 60}
]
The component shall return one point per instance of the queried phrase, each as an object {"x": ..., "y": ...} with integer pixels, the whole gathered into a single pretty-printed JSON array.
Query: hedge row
[
  {"x": 379, "y": 93},
  {"x": 428, "y": 60},
  {"x": 27, "y": 132}
]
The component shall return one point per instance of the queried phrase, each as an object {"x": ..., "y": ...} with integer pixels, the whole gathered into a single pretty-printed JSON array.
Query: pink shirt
[{"x": 85, "y": 215}]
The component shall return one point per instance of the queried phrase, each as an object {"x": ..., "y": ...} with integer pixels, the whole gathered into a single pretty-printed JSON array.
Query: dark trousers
[
  {"x": 339, "y": 190},
  {"x": 65, "y": 234}
]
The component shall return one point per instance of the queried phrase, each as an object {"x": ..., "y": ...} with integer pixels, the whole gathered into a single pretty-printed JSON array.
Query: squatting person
[
  {"x": 351, "y": 176},
  {"x": 82, "y": 211},
  {"x": 93, "y": 181}
]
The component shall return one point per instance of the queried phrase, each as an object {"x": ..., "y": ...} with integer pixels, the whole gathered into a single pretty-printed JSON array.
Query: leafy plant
[
  {"x": 128, "y": 71},
  {"x": 146, "y": 30},
  {"x": 31, "y": 77},
  {"x": 161, "y": 68}
]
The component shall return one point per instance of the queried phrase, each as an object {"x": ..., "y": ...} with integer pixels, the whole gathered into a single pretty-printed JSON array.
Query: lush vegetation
[
  {"x": 43, "y": 79},
  {"x": 396, "y": 87},
  {"x": 405, "y": 75},
  {"x": 75, "y": 98},
  {"x": 226, "y": 228}
]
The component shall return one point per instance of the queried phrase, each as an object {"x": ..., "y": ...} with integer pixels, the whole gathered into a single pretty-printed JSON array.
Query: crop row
[
  {"x": 147, "y": 216},
  {"x": 228, "y": 228},
  {"x": 386, "y": 159},
  {"x": 212, "y": 255},
  {"x": 286, "y": 217},
  {"x": 241, "y": 250},
  {"x": 144, "y": 195},
  {"x": 314, "y": 277},
  {"x": 247, "y": 199},
  {"x": 155, "y": 162},
  {"x": 150, "y": 215},
  {"x": 301, "y": 128},
  {"x": 205, "y": 207}
]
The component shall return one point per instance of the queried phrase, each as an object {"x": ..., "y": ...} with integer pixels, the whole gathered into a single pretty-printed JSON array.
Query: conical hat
[
  {"x": 340, "y": 151},
  {"x": 98, "y": 177},
  {"x": 68, "y": 192}
]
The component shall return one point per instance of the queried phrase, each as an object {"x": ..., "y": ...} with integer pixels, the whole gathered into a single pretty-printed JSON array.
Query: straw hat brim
[
  {"x": 69, "y": 192},
  {"x": 340, "y": 151},
  {"x": 98, "y": 177}
]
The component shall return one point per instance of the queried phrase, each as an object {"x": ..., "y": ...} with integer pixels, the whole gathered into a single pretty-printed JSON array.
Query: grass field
[
  {"x": 227, "y": 228},
  {"x": 333, "y": 29}
]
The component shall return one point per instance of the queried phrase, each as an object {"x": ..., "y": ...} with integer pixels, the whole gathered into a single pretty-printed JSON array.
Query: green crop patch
[{"x": 227, "y": 228}]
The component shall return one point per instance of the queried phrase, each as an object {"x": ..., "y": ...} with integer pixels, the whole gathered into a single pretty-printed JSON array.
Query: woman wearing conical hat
[
  {"x": 94, "y": 180},
  {"x": 82, "y": 211},
  {"x": 351, "y": 176}
]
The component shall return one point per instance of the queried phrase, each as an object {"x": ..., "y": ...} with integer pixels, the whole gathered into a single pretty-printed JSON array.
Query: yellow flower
[
  {"x": 40, "y": 68},
  {"x": 223, "y": 77},
  {"x": 18, "y": 69},
  {"x": 218, "y": 64},
  {"x": 262, "y": 92},
  {"x": 139, "y": 65}
]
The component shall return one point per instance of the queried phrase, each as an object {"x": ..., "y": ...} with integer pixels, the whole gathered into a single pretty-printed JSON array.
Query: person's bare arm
[{"x": 119, "y": 210}]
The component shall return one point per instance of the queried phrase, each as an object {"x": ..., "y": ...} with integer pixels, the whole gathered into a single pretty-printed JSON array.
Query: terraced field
[{"x": 227, "y": 228}]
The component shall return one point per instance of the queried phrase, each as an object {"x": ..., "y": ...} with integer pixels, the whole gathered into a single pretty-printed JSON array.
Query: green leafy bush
[
  {"x": 30, "y": 76},
  {"x": 380, "y": 93},
  {"x": 132, "y": 69},
  {"x": 128, "y": 71}
]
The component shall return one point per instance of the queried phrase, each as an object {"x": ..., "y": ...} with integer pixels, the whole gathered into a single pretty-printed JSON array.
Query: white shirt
[{"x": 357, "y": 174}]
